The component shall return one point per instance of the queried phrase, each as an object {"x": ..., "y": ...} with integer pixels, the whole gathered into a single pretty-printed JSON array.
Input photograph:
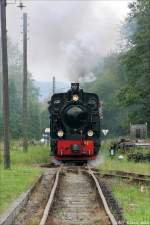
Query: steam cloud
[{"x": 67, "y": 38}]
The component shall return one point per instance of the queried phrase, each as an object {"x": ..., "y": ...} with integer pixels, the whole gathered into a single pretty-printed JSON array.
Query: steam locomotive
[{"x": 74, "y": 125}]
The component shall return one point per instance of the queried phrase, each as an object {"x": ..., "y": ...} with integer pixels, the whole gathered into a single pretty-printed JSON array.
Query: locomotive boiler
[{"x": 74, "y": 125}]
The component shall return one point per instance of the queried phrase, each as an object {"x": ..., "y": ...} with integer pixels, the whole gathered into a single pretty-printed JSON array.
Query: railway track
[
  {"x": 77, "y": 198},
  {"x": 125, "y": 175}
]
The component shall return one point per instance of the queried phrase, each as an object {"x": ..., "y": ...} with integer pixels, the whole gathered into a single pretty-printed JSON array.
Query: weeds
[{"x": 22, "y": 174}]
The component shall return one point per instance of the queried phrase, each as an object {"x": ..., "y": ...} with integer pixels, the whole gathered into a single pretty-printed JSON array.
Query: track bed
[{"x": 76, "y": 202}]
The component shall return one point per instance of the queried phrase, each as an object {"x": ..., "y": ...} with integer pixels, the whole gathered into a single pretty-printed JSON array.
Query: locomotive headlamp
[
  {"x": 90, "y": 133},
  {"x": 75, "y": 98},
  {"x": 60, "y": 133}
]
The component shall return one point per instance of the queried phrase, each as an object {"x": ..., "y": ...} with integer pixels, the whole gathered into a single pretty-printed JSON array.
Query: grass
[
  {"x": 135, "y": 203},
  {"x": 125, "y": 165},
  {"x": 114, "y": 163},
  {"x": 23, "y": 173},
  {"x": 14, "y": 182},
  {"x": 36, "y": 154}
]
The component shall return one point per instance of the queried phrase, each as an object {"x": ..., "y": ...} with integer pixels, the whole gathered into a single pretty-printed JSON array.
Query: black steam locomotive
[{"x": 74, "y": 125}]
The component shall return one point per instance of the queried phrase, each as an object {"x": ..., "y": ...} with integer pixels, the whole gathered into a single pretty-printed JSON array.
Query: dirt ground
[{"x": 33, "y": 211}]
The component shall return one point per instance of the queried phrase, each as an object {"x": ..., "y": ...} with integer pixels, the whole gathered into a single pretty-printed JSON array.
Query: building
[{"x": 138, "y": 131}]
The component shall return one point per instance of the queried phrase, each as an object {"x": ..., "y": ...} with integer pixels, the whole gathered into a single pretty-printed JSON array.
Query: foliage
[
  {"x": 122, "y": 80},
  {"x": 108, "y": 82},
  {"x": 136, "y": 62},
  {"x": 35, "y": 109}
]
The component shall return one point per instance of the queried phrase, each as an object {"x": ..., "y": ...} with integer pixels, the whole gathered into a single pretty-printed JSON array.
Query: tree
[
  {"x": 37, "y": 111},
  {"x": 136, "y": 62},
  {"x": 107, "y": 84}
]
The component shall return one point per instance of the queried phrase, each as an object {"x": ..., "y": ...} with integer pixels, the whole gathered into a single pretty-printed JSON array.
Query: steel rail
[
  {"x": 116, "y": 173},
  {"x": 108, "y": 212},
  {"x": 126, "y": 175},
  {"x": 51, "y": 198}
]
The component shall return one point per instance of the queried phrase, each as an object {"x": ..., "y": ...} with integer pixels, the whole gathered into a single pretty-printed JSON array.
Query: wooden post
[
  {"x": 25, "y": 83},
  {"x": 1, "y": 80},
  {"x": 5, "y": 84},
  {"x": 54, "y": 81}
]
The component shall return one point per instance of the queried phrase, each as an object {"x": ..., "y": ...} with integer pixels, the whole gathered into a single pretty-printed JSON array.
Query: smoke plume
[{"x": 67, "y": 38}]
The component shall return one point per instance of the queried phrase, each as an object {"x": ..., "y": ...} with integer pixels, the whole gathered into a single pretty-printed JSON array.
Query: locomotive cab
[{"x": 74, "y": 124}]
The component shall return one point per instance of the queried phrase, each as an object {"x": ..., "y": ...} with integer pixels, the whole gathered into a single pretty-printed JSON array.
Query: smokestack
[{"x": 74, "y": 87}]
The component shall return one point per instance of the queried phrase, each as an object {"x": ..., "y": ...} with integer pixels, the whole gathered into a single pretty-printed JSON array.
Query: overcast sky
[{"x": 67, "y": 38}]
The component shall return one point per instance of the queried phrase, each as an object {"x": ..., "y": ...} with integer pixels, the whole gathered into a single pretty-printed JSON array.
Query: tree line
[
  {"x": 123, "y": 79},
  {"x": 37, "y": 112}
]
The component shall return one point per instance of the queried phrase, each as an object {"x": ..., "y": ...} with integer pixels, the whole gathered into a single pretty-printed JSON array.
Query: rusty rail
[
  {"x": 108, "y": 212},
  {"x": 126, "y": 175},
  {"x": 51, "y": 198}
]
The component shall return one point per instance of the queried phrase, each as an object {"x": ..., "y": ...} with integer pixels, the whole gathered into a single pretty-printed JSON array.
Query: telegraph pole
[
  {"x": 1, "y": 82},
  {"x": 5, "y": 84},
  {"x": 25, "y": 83},
  {"x": 54, "y": 84}
]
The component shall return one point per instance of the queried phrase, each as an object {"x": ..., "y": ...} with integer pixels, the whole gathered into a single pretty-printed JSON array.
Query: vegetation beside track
[
  {"x": 36, "y": 154},
  {"x": 135, "y": 204},
  {"x": 113, "y": 163},
  {"x": 23, "y": 173}
]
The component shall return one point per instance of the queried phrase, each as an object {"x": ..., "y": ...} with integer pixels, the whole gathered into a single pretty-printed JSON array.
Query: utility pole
[
  {"x": 25, "y": 83},
  {"x": 5, "y": 84},
  {"x": 1, "y": 82},
  {"x": 54, "y": 84}
]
